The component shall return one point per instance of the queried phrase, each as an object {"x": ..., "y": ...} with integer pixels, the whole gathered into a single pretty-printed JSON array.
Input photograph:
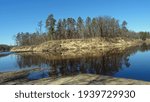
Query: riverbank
[
  {"x": 78, "y": 48},
  {"x": 21, "y": 78},
  {"x": 70, "y": 46}
]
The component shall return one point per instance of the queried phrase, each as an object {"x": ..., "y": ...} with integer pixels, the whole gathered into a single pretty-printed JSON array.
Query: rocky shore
[{"x": 21, "y": 78}]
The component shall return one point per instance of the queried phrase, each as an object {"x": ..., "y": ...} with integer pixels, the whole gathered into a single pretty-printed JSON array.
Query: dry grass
[{"x": 76, "y": 45}]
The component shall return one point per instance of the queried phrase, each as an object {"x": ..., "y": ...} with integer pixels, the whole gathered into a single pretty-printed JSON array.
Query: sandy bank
[{"x": 75, "y": 45}]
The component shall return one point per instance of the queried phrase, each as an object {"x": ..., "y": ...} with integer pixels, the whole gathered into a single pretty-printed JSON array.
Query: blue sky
[{"x": 23, "y": 15}]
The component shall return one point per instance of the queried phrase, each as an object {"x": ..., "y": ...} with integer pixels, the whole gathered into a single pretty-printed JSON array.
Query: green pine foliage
[{"x": 70, "y": 28}]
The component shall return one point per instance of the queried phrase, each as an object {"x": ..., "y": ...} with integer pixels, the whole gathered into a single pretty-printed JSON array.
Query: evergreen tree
[
  {"x": 94, "y": 27},
  {"x": 64, "y": 29},
  {"x": 59, "y": 32},
  {"x": 71, "y": 27},
  {"x": 50, "y": 25},
  {"x": 88, "y": 27},
  {"x": 80, "y": 27}
]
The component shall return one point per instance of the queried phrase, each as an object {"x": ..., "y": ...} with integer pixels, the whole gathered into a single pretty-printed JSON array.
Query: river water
[{"x": 132, "y": 63}]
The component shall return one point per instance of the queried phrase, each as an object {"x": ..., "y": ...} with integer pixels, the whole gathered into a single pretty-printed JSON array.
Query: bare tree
[{"x": 40, "y": 25}]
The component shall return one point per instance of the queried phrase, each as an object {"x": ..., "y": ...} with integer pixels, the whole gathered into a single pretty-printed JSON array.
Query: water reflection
[
  {"x": 3, "y": 54},
  {"x": 107, "y": 63},
  {"x": 38, "y": 74}
]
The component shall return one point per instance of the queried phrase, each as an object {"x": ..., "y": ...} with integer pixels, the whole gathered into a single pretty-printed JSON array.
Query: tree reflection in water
[{"x": 107, "y": 63}]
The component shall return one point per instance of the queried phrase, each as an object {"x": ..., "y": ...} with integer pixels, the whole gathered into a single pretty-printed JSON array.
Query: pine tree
[
  {"x": 80, "y": 27},
  {"x": 88, "y": 27},
  {"x": 71, "y": 27},
  {"x": 50, "y": 25},
  {"x": 59, "y": 33}
]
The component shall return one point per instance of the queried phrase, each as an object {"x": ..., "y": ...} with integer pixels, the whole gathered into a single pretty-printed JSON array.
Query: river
[{"x": 132, "y": 63}]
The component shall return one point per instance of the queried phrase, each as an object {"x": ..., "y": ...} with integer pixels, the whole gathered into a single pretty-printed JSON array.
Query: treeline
[
  {"x": 91, "y": 27},
  {"x": 23, "y": 39},
  {"x": 144, "y": 35},
  {"x": 4, "y": 48},
  {"x": 71, "y": 28}
]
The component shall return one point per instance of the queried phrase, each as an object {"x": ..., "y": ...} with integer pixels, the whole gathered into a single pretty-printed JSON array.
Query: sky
[{"x": 24, "y": 15}]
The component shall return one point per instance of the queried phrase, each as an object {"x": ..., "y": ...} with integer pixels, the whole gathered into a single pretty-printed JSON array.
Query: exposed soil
[{"x": 78, "y": 46}]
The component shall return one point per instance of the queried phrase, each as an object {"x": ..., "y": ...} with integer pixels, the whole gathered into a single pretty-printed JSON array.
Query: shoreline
[
  {"x": 74, "y": 48},
  {"x": 20, "y": 78},
  {"x": 65, "y": 47}
]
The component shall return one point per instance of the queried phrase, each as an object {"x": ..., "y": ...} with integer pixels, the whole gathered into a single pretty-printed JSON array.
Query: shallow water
[{"x": 132, "y": 63}]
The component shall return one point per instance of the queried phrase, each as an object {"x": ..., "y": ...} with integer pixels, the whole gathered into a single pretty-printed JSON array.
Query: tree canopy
[{"x": 70, "y": 28}]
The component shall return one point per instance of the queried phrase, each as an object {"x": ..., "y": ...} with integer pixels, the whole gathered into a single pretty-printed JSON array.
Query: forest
[{"x": 70, "y": 28}]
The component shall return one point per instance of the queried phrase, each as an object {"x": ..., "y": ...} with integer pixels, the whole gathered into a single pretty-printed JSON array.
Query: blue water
[
  {"x": 139, "y": 68},
  {"x": 133, "y": 63}
]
